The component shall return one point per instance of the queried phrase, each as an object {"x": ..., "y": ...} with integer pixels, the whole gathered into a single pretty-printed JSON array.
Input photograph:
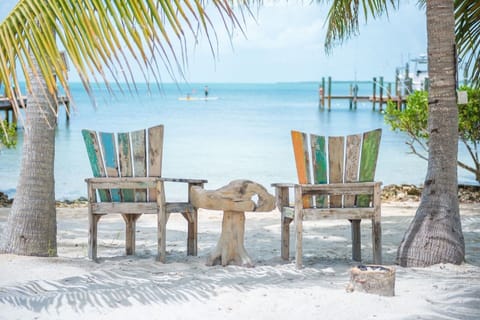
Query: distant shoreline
[{"x": 390, "y": 193}]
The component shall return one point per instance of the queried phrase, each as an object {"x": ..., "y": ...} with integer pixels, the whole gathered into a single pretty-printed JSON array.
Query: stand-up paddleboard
[{"x": 197, "y": 98}]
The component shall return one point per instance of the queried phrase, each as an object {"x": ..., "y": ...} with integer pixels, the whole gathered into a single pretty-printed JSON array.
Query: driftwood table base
[
  {"x": 230, "y": 248},
  {"x": 234, "y": 199}
]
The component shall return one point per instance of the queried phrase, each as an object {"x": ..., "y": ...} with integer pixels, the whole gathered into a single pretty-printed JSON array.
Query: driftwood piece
[
  {"x": 374, "y": 279},
  {"x": 234, "y": 199}
]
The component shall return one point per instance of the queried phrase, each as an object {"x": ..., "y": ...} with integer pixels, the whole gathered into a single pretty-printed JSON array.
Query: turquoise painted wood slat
[
  {"x": 368, "y": 161},
  {"x": 125, "y": 163},
  {"x": 96, "y": 161},
  {"x": 319, "y": 162},
  {"x": 110, "y": 157}
]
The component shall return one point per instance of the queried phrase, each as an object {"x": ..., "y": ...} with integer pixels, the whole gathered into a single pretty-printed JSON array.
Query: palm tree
[
  {"x": 435, "y": 234},
  {"x": 99, "y": 37}
]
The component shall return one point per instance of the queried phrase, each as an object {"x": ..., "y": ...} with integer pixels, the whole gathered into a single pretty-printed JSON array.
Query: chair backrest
[
  {"x": 125, "y": 154},
  {"x": 322, "y": 160}
]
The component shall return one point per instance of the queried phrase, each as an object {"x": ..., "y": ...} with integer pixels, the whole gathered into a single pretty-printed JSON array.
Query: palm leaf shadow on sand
[
  {"x": 145, "y": 285},
  {"x": 132, "y": 281}
]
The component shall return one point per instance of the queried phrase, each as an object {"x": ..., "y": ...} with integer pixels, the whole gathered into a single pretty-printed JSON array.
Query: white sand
[{"x": 120, "y": 287}]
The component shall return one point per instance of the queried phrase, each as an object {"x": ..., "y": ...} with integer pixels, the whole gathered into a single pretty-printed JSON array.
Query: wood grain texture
[{"x": 336, "y": 156}]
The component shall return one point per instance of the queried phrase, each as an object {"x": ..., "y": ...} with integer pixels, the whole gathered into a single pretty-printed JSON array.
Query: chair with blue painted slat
[
  {"x": 335, "y": 181},
  {"x": 127, "y": 170}
]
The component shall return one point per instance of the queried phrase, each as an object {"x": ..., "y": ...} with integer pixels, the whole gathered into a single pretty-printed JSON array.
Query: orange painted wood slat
[{"x": 302, "y": 162}]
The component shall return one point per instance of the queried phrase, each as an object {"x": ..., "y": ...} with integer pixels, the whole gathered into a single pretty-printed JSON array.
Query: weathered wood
[
  {"x": 351, "y": 175},
  {"x": 302, "y": 161},
  {"x": 124, "y": 169},
  {"x": 298, "y": 226},
  {"x": 373, "y": 279},
  {"x": 319, "y": 162},
  {"x": 336, "y": 166},
  {"x": 351, "y": 167},
  {"x": 368, "y": 161},
  {"x": 109, "y": 152},
  {"x": 125, "y": 162},
  {"x": 230, "y": 248},
  {"x": 140, "y": 159},
  {"x": 236, "y": 196},
  {"x": 282, "y": 199},
  {"x": 234, "y": 199},
  {"x": 350, "y": 171},
  {"x": 96, "y": 161}
]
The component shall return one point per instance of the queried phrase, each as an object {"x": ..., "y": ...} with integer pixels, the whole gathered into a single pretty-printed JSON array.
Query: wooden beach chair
[
  {"x": 336, "y": 181},
  {"x": 127, "y": 170}
]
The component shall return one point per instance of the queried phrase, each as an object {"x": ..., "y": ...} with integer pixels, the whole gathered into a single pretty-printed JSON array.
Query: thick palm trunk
[
  {"x": 435, "y": 234},
  {"x": 32, "y": 228}
]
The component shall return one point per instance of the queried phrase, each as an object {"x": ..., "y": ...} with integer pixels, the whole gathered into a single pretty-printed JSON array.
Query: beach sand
[{"x": 137, "y": 287}]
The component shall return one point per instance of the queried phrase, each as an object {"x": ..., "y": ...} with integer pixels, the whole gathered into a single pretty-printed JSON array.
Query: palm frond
[
  {"x": 343, "y": 17},
  {"x": 101, "y": 37},
  {"x": 467, "y": 33}
]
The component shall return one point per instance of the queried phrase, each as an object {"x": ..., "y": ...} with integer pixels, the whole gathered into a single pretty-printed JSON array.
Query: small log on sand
[{"x": 372, "y": 279}]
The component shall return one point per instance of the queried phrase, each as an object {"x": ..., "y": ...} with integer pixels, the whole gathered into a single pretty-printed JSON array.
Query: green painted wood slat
[
  {"x": 96, "y": 161},
  {"x": 125, "y": 163},
  {"x": 368, "y": 161},
  {"x": 319, "y": 162}
]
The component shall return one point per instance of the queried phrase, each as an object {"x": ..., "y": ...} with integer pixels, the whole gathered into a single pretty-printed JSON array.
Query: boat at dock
[{"x": 414, "y": 75}]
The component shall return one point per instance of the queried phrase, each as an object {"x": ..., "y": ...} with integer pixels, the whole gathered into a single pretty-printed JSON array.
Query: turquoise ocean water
[{"x": 244, "y": 134}]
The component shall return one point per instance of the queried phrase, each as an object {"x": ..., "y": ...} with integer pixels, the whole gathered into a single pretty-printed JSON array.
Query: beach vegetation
[
  {"x": 413, "y": 121},
  {"x": 8, "y": 134}
]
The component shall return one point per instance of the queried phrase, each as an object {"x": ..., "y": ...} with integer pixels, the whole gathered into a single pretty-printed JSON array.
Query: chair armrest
[
  {"x": 352, "y": 188},
  {"x": 134, "y": 182},
  {"x": 191, "y": 181},
  {"x": 283, "y": 185},
  {"x": 122, "y": 182}
]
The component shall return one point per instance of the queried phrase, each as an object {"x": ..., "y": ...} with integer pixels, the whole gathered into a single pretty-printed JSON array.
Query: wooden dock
[
  {"x": 382, "y": 96},
  {"x": 10, "y": 116}
]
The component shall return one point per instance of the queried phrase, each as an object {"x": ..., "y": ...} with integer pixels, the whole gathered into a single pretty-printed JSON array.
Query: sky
[{"x": 284, "y": 43}]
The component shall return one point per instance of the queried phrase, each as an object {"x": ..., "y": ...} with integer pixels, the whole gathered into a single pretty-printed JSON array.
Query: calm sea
[{"x": 244, "y": 134}]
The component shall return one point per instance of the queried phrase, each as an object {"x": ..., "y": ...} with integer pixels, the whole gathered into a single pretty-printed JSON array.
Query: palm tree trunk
[
  {"x": 31, "y": 227},
  {"x": 435, "y": 234}
]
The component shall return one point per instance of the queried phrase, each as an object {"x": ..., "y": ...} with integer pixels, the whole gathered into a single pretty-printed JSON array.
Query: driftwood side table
[{"x": 234, "y": 199}]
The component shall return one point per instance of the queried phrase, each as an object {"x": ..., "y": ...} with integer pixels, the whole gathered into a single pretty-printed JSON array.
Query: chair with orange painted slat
[{"x": 335, "y": 181}]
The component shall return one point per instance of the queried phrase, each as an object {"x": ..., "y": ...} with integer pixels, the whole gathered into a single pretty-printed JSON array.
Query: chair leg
[
  {"x": 92, "y": 236},
  {"x": 377, "y": 241},
  {"x": 299, "y": 239},
  {"x": 356, "y": 240},
  {"x": 192, "y": 219},
  {"x": 285, "y": 233},
  {"x": 298, "y": 226},
  {"x": 162, "y": 235},
  {"x": 130, "y": 228}
]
